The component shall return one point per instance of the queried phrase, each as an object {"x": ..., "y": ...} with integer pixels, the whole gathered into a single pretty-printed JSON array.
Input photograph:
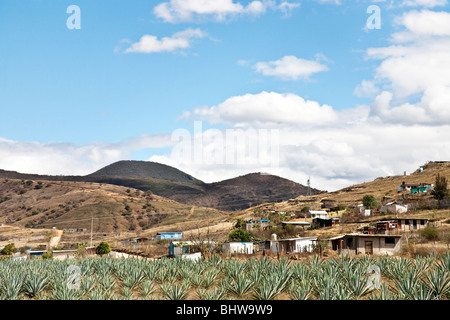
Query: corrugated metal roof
[
  {"x": 297, "y": 222},
  {"x": 293, "y": 239}
]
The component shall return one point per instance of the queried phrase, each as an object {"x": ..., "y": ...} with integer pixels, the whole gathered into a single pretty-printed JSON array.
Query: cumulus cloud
[
  {"x": 415, "y": 71},
  {"x": 179, "y": 40},
  {"x": 70, "y": 159},
  {"x": 175, "y": 11},
  {"x": 421, "y": 24},
  {"x": 266, "y": 109},
  {"x": 366, "y": 89},
  {"x": 286, "y": 135},
  {"x": 290, "y": 68}
]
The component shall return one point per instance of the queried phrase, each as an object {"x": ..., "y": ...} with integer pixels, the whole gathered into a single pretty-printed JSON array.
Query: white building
[
  {"x": 237, "y": 248},
  {"x": 293, "y": 245},
  {"x": 317, "y": 214},
  {"x": 393, "y": 207}
]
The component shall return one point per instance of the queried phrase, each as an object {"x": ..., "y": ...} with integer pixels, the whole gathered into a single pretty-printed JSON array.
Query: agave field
[{"x": 339, "y": 278}]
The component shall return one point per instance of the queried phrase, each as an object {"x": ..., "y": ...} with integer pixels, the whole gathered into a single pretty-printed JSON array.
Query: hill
[
  {"x": 112, "y": 209},
  {"x": 144, "y": 169},
  {"x": 230, "y": 195},
  {"x": 245, "y": 191}
]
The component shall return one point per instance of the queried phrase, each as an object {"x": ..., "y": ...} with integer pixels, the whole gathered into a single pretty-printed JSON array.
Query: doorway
[{"x": 368, "y": 247}]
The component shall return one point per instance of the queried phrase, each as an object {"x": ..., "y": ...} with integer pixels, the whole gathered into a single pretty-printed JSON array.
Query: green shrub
[
  {"x": 9, "y": 249},
  {"x": 103, "y": 248},
  {"x": 430, "y": 233},
  {"x": 240, "y": 235},
  {"x": 47, "y": 255}
]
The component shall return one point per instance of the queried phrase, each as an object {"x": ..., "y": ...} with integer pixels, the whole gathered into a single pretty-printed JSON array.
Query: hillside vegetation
[{"x": 114, "y": 209}]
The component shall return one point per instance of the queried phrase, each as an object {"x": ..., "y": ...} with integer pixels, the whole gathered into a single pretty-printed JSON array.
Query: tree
[
  {"x": 440, "y": 190},
  {"x": 370, "y": 202},
  {"x": 240, "y": 235},
  {"x": 239, "y": 223},
  {"x": 103, "y": 248},
  {"x": 9, "y": 249}
]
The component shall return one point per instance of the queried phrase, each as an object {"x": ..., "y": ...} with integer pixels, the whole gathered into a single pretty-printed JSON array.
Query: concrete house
[
  {"x": 303, "y": 224},
  {"x": 387, "y": 227},
  {"x": 230, "y": 248},
  {"x": 168, "y": 235},
  {"x": 249, "y": 225},
  {"x": 411, "y": 224},
  {"x": 357, "y": 243},
  {"x": 63, "y": 254},
  {"x": 325, "y": 222},
  {"x": 393, "y": 207},
  {"x": 317, "y": 214},
  {"x": 177, "y": 248},
  {"x": 415, "y": 188},
  {"x": 293, "y": 245}
]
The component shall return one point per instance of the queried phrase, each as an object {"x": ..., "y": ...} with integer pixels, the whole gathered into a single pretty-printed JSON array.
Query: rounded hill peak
[{"x": 144, "y": 169}]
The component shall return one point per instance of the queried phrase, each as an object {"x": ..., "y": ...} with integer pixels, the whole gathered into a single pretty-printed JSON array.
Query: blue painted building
[{"x": 168, "y": 235}]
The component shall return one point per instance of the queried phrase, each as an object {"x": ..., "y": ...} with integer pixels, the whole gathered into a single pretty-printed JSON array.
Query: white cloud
[
  {"x": 69, "y": 159},
  {"x": 422, "y": 23},
  {"x": 415, "y": 71},
  {"x": 290, "y": 68},
  {"x": 336, "y": 2},
  {"x": 175, "y": 11},
  {"x": 424, "y": 3},
  {"x": 179, "y": 40},
  {"x": 267, "y": 109},
  {"x": 366, "y": 89}
]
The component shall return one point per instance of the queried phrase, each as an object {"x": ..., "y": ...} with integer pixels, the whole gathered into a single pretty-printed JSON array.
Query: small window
[
  {"x": 422, "y": 222},
  {"x": 406, "y": 221},
  {"x": 389, "y": 240}
]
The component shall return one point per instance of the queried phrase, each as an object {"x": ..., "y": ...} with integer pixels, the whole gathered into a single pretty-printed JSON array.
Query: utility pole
[
  {"x": 309, "y": 186},
  {"x": 92, "y": 225}
]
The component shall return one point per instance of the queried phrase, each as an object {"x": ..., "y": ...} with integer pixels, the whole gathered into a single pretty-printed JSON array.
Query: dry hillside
[
  {"x": 115, "y": 211},
  {"x": 383, "y": 188}
]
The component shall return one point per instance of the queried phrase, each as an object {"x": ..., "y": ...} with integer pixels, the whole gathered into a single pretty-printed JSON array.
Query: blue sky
[{"x": 73, "y": 100}]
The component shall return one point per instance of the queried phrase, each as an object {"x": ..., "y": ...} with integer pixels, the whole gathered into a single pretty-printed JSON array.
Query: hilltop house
[
  {"x": 415, "y": 188},
  {"x": 325, "y": 222},
  {"x": 250, "y": 224},
  {"x": 363, "y": 211},
  {"x": 303, "y": 224},
  {"x": 317, "y": 214},
  {"x": 394, "y": 207}
]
